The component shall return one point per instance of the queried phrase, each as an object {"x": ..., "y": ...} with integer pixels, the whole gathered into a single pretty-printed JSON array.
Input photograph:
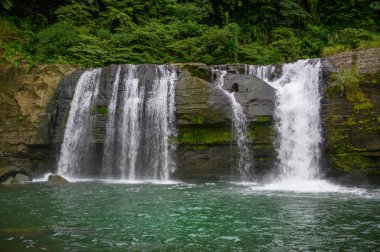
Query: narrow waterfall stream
[
  {"x": 240, "y": 129},
  {"x": 140, "y": 122},
  {"x": 297, "y": 116}
]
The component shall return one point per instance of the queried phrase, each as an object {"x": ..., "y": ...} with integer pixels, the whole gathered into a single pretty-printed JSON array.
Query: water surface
[{"x": 100, "y": 216}]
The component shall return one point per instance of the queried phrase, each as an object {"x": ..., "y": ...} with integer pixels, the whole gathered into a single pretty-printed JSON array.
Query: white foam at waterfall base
[{"x": 306, "y": 186}]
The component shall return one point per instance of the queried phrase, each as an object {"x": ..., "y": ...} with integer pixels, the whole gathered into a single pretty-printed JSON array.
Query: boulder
[
  {"x": 22, "y": 178},
  {"x": 57, "y": 180},
  {"x": 19, "y": 179}
]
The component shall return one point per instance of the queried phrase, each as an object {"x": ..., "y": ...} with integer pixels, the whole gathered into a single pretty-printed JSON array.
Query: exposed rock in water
[
  {"x": 11, "y": 175},
  {"x": 21, "y": 178},
  {"x": 8, "y": 171},
  {"x": 56, "y": 180}
]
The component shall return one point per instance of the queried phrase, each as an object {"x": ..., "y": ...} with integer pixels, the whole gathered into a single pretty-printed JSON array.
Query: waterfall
[
  {"x": 139, "y": 127},
  {"x": 78, "y": 132},
  {"x": 109, "y": 141},
  {"x": 130, "y": 126},
  {"x": 240, "y": 129},
  {"x": 297, "y": 116},
  {"x": 261, "y": 72},
  {"x": 160, "y": 118}
]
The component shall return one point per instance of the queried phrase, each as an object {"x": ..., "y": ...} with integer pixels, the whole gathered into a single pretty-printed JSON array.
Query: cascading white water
[
  {"x": 77, "y": 136},
  {"x": 160, "y": 117},
  {"x": 261, "y": 72},
  {"x": 297, "y": 118},
  {"x": 130, "y": 127},
  {"x": 140, "y": 123},
  {"x": 240, "y": 129},
  {"x": 109, "y": 141}
]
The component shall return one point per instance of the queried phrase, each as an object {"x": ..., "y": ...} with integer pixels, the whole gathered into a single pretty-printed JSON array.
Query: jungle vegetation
[{"x": 101, "y": 32}]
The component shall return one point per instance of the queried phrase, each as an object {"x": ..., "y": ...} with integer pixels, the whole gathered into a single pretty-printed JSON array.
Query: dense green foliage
[{"x": 101, "y": 32}]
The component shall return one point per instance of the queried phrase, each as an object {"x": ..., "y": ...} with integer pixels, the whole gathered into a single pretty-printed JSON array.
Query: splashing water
[
  {"x": 240, "y": 128},
  {"x": 78, "y": 132},
  {"x": 297, "y": 118}
]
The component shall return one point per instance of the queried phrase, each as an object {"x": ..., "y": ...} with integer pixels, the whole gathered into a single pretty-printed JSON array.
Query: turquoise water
[{"x": 96, "y": 216}]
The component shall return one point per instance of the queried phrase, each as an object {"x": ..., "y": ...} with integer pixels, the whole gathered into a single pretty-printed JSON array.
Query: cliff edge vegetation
[{"x": 102, "y": 32}]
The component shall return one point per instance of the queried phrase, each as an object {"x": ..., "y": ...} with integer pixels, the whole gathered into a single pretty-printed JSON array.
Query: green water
[{"x": 94, "y": 216}]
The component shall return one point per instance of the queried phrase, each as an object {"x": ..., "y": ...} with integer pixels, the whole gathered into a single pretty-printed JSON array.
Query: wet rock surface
[{"x": 56, "y": 180}]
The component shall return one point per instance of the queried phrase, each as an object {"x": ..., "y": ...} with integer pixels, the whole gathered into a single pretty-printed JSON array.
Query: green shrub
[
  {"x": 55, "y": 40},
  {"x": 331, "y": 50},
  {"x": 349, "y": 81},
  {"x": 353, "y": 37}
]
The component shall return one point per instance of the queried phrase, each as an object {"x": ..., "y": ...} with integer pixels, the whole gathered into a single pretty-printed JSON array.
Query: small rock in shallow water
[
  {"x": 56, "y": 180},
  {"x": 22, "y": 178},
  {"x": 11, "y": 175},
  {"x": 8, "y": 171}
]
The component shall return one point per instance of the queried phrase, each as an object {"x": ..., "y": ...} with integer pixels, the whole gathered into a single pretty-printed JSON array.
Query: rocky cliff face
[
  {"x": 26, "y": 95},
  {"x": 35, "y": 104},
  {"x": 353, "y": 122},
  {"x": 204, "y": 122}
]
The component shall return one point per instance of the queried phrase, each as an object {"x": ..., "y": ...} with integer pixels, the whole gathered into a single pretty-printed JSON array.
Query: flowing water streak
[
  {"x": 297, "y": 118},
  {"x": 240, "y": 128},
  {"x": 160, "y": 118},
  {"x": 131, "y": 124},
  {"x": 78, "y": 131},
  {"x": 109, "y": 141},
  {"x": 261, "y": 72}
]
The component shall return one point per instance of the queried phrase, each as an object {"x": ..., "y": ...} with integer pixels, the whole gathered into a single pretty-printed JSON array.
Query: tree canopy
[{"x": 101, "y": 32}]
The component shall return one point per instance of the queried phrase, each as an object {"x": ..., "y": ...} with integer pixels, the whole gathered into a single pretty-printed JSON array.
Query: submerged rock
[{"x": 57, "y": 180}]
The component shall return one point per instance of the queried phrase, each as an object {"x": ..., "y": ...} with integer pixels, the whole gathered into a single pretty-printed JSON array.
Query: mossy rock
[
  {"x": 200, "y": 71},
  {"x": 57, "y": 180},
  {"x": 204, "y": 135}
]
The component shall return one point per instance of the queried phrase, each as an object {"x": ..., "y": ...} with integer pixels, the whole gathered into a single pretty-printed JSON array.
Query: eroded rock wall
[
  {"x": 353, "y": 127},
  {"x": 206, "y": 147},
  {"x": 26, "y": 95}
]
